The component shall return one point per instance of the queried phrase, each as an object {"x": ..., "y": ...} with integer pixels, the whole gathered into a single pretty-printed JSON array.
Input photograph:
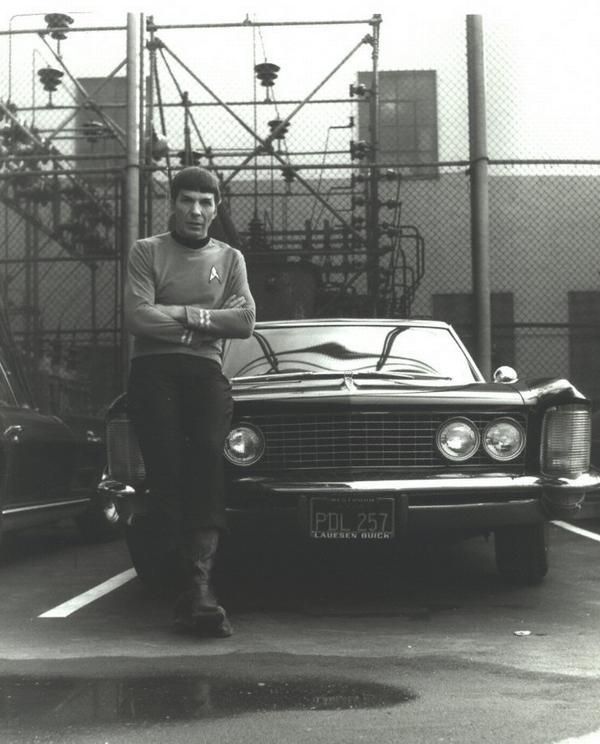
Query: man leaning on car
[{"x": 186, "y": 292}]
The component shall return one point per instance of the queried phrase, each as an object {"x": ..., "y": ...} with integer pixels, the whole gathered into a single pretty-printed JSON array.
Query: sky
[
  {"x": 553, "y": 49},
  {"x": 394, "y": 12}
]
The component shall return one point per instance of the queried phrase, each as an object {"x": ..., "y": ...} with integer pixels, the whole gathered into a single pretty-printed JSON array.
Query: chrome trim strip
[
  {"x": 49, "y": 505},
  {"x": 398, "y": 389},
  {"x": 109, "y": 487},
  {"x": 478, "y": 504},
  {"x": 584, "y": 482}
]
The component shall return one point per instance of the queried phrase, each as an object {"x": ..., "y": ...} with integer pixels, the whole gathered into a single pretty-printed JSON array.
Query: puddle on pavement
[{"x": 65, "y": 701}]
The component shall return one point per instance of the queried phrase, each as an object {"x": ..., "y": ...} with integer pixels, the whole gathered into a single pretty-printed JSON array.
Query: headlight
[
  {"x": 458, "y": 439},
  {"x": 566, "y": 437},
  {"x": 244, "y": 445},
  {"x": 504, "y": 439}
]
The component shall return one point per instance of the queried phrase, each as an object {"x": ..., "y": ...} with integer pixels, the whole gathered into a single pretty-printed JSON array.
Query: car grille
[{"x": 368, "y": 440}]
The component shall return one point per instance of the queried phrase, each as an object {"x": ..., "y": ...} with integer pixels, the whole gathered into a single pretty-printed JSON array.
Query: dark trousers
[{"x": 181, "y": 407}]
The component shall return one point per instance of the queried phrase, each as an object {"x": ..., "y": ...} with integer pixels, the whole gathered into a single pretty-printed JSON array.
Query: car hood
[
  {"x": 359, "y": 390},
  {"x": 339, "y": 389}
]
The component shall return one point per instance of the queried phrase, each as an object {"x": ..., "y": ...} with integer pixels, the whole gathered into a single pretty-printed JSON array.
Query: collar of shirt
[{"x": 190, "y": 242}]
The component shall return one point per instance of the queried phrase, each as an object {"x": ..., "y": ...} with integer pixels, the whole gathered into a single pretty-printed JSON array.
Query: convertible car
[{"x": 374, "y": 431}]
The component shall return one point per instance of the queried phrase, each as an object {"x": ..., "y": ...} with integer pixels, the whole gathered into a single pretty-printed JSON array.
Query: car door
[{"x": 37, "y": 453}]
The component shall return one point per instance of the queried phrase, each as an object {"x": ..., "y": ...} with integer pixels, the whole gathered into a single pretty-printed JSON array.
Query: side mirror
[{"x": 505, "y": 374}]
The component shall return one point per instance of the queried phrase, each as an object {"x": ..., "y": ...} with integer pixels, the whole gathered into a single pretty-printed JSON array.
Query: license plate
[{"x": 352, "y": 518}]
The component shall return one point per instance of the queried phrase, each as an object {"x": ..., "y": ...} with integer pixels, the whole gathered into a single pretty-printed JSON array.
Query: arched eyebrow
[{"x": 209, "y": 199}]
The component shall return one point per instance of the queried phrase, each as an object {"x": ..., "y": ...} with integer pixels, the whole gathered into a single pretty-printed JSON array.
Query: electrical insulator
[
  {"x": 266, "y": 72},
  {"x": 157, "y": 147},
  {"x": 274, "y": 123},
  {"x": 189, "y": 157},
  {"x": 155, "y": 43},
  {"x": 50, "y": 78},
  {"x": 25, "y": 149},
  {"x": 15, "y": 135},
  {"x": 288, "y": 174},
  {"x": 358, "y": 150},
  {"x": 357, "y": 201},
  {"x": 391, "y": 175},
  {"x": 60, "y": 22},
  {"x": 93, "y": 130},
  {"x": 358, "y": 89},
  {"x": 356, "y": 178}
]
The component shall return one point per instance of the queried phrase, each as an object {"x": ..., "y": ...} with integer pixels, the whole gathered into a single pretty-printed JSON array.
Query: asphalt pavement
[{"x": 424, "y": 644}]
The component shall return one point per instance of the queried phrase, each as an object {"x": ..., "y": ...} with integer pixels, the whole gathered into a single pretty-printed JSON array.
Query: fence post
[
  {"x": 132, "y": 175},
  {"x": 480, "y": 243}
]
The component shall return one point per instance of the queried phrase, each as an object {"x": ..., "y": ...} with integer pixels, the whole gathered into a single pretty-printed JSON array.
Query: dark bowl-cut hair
[{"x": 194, "y": 178}]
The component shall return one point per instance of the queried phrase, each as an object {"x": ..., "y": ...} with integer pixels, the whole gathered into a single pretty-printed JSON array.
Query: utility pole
[
  {"x": 480, "y": 219},
  {"x": 132, "y": 174}
]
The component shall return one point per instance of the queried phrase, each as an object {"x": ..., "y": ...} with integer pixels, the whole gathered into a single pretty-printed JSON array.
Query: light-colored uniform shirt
[{"x": 162, "y": 271}]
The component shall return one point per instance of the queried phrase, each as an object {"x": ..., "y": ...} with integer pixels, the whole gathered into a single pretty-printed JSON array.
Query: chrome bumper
[
  {"x": 450, "y": 501},
  {"x": 525, "y": 484},
  {"x": 439, "y": 500}
]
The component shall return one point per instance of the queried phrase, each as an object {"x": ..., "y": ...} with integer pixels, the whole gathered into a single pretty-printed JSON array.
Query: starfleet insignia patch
[{"x": 214, "y": 274}]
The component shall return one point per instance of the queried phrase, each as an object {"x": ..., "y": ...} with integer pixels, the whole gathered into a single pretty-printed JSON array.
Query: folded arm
[
  {"x": 142, "y": 316},
  {"x": 234, "y": 319}
]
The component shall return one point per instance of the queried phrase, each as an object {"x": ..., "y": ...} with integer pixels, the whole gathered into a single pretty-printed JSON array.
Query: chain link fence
[
  {"x": 545, "y": 214},
  {"x": 344, "y": 202},
  {"x": 61, "y": 175}
]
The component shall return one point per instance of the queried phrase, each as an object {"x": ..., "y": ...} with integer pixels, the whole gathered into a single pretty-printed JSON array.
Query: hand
[{"x": 234, "y": 301}]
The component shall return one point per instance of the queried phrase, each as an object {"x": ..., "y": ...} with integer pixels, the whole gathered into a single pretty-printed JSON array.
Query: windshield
[{"x": 414, "y": 352}]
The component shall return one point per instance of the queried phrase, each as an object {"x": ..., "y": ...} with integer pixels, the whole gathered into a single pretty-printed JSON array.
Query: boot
[
  {"x": 203, "y": 549},
  {"x": 197, "y": 609}
]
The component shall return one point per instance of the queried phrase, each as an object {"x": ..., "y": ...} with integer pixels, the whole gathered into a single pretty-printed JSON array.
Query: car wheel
[
  {"x": 157, "y": 571},
  {"x": 522, "y": 552},
  {"x": 95, "y": 523}
]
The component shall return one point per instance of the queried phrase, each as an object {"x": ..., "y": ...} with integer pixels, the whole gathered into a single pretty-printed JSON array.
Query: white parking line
[
  {"x": 578, "y": 530},
  {"x": 72, "y": 605}
]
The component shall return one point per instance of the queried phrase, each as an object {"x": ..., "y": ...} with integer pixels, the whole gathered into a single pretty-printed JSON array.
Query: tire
[
  {"x": 157, "y": 571},
  {"x": 522, "y": 553}
]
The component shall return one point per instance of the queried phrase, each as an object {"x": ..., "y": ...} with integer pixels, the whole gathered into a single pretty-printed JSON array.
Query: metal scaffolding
[{"x": 87, "y": 171}]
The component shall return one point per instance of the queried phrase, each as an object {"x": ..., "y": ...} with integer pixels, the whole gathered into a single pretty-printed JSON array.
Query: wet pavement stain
[{"x": 50, "y": 703}]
